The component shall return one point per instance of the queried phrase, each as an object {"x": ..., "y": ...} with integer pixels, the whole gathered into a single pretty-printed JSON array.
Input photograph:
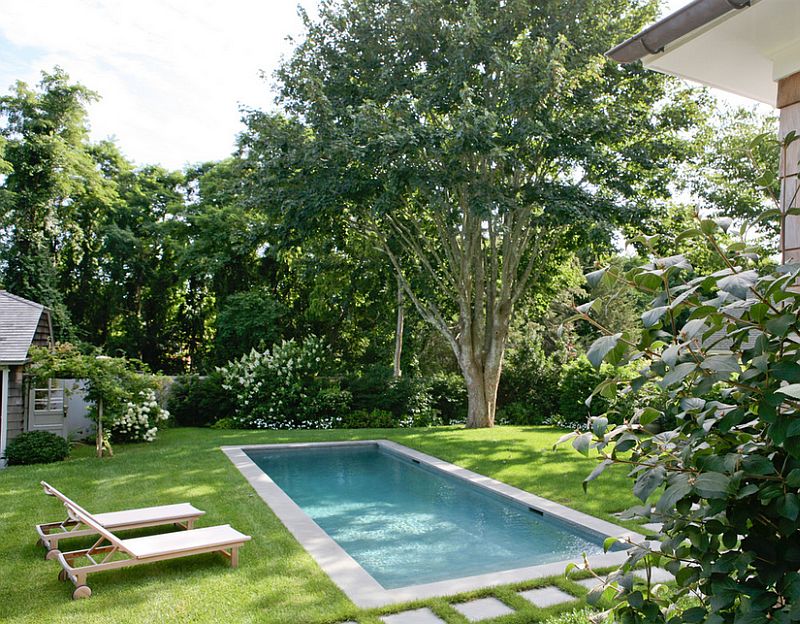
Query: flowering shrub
[
  {"x": 139, "y": 421},
  {"x": 113, "y": 385},
  {"x": 284, "y": 388}
]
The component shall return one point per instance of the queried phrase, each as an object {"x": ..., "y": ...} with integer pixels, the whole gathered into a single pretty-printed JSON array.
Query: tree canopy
[{"x": 476, "y": 144}]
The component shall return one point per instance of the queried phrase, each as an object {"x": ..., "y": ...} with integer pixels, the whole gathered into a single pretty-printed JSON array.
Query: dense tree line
[
  {"x": 435, "y": 178},
  {"x": 181, "y": 269}
]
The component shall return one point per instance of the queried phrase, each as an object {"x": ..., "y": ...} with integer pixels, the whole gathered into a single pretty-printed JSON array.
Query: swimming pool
[{"x": 389, "y": 523}]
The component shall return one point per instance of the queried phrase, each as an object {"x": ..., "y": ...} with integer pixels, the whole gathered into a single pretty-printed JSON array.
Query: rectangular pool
[{"x": 408, "y": 521}]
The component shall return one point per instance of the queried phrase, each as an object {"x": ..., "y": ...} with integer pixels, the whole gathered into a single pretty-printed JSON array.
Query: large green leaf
[
  {"x": 653, "y": 315},
  {"x": 602, "y": 347},
  {"x": 722, "y": 364},
  {"x": 712, "y": 485},
  {"x": 678, "y": 488},
  {"x": 595, "y": 278},
  {"x": 738, "y": 284},
  {"x": 792, "y": 390},
  {"x": 678, "y": 374},
  {"x": 648, "y": 481}
]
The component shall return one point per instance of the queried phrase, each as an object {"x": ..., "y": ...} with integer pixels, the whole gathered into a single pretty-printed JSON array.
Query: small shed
[{"x": 24, "y": 324}]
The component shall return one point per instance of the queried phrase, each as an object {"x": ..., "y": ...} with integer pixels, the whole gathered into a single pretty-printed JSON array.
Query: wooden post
[
  {"x": 789, "y": 105},
  {"x": 99, "y": 434}
]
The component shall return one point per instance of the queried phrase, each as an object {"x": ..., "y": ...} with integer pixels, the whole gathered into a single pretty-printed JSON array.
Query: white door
[{"x": 46, "y": 408}]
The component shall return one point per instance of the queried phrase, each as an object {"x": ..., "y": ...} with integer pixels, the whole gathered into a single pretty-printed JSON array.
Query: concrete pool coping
[{"x": 358, "y": 584}]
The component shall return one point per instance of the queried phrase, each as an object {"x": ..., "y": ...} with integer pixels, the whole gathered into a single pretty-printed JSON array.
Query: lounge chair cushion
[
  {"x": 162, "y": 514},
  {"x": 184, "y": 541}
]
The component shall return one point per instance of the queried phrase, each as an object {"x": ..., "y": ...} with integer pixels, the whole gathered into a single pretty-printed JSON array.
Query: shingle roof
[{"x": 18, "y": 321}]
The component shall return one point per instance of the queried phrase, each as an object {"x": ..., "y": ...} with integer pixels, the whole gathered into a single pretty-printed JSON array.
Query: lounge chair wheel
[
  {"x": 52, "y": 554},
  {"x": 82, "y": 591},
  {"x": 62, "y": 575}
]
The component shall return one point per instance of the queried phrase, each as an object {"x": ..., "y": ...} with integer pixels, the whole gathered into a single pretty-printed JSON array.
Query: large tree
[
  {"x": 49, "y": 176},
  {"x": 477, "y": 144}
]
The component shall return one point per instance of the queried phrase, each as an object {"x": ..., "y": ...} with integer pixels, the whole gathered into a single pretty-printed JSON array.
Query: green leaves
[
  {"x": 648, "y": 481},
  {"x": 678, "y": 488},
  {"x": 653, "y": 316},
  {"x": 791, "y": 390},
  {"x": 596, "y": 472},
  {"x": 582, "y": 443},
  {"x": 678, "y": 374},
  {"x": 739, "y": 284},
  {"x": 712, "y": 485},
  {"x": 725, "y": 475},
  {"x": 606, "y": 347},
  {"x": 722, "y": 364},
  {"x": 788, "y": 506}
]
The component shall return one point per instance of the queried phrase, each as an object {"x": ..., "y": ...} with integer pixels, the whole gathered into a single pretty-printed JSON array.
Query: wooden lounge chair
[
  {"x": 50, "y": 534},
  {"x": 111, "y": 553}
]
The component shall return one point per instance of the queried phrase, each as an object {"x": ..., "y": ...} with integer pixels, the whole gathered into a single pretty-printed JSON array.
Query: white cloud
[{"x": 172, "y": 74}]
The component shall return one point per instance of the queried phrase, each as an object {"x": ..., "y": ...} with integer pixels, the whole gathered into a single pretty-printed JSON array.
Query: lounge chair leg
[
  {"x": 234, "y": 557},
  {"x": 82, "y": 591},
  {"x": 190, "y": 524}
]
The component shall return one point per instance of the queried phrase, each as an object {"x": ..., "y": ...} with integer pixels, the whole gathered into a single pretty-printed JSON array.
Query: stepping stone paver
[
  {"x": 417, "y": 616},
  {"x": 482, "y": 609},
  {"x": 546, "y": 596},
  {"x": 589, "y": 583},
  {"x": 653, "y": 527},
  {"x": 657, "y": 575}
]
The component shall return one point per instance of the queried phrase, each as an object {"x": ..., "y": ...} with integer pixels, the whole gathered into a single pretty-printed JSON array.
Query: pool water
[{"x": 407, "y": 524}]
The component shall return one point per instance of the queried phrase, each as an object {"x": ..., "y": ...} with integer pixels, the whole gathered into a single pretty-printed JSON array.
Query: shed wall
[{"x": 16, "y": 402}]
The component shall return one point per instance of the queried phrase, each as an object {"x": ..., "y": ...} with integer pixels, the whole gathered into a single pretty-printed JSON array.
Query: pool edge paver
[
  {"x": 415, "y": 616},
  {"x": 482, "y": 609},
  {"x": 547, "y": 596}
]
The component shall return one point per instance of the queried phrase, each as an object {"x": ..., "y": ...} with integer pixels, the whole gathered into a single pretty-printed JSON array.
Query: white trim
[
  {"x": 3, "y": 415},
  {"x": 358, "y": 584}
]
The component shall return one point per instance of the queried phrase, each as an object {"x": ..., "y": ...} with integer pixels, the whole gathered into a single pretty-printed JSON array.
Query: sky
[{"x": 172, "y": 74}]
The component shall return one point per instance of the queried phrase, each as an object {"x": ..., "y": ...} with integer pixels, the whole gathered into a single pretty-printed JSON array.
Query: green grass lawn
[{"x": 277, "y": 581}]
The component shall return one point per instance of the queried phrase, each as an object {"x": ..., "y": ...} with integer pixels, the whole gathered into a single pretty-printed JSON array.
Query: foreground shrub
[
  {"x": 196, "y": 401},
  {"x": 36, "y": 447},
  {"x": 286, "y": 387},
  {"x": 726, "y": 478}
]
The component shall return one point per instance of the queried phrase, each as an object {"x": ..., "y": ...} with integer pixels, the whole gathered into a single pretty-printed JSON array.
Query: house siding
[
  {"x": 23, "y": 324},
  {"x": 16, "y": 402}
]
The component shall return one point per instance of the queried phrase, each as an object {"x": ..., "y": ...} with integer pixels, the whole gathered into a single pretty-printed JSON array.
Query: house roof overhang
[{"x": 740, "y": 46}]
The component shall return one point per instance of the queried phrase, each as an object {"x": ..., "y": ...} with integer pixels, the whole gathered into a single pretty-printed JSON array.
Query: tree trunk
[
  {"x": 398, "y": 336},
  {"x": 482, "y": 377}
]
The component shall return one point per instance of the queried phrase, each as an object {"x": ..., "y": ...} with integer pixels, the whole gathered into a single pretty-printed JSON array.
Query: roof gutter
[{"x": 653, "y": 39}]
